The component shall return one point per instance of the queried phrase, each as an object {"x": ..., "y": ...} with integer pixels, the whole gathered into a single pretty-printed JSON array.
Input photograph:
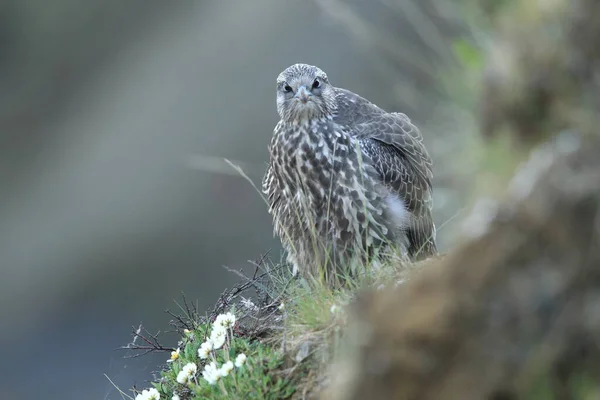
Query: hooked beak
[{"x": 303, "y": 94}]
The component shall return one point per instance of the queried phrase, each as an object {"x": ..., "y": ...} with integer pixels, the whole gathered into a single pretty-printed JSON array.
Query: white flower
[
  {"x": 225, "y": 320},
  {"x": 218, "y": 336},
  {"x": 148, "y": 394},
  {"x": 190, "y": 369},
  {"x": 281, "y": 307},
  {"x": 175, "y": 397},
  {"x": 334, "y": 309},
  {"x": 218, "y": 341},
  {"x": 226, "y": 368},
  {"x": 218, "y": 330},
  {"x": 181, "y": 378},
  {"x": 240, "y": 360},
  {"x": 153, "y": 394},
  {"x": 142, "y": 396},
  {"x": 205, "y": 349},
  {"x": 174, "y": 355},
  {"x": 211, "y": 373},
  {"x": 187, "y": 373}
]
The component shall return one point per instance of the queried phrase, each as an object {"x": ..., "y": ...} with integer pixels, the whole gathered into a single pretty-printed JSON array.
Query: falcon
[{"x": 347, "y": 182}]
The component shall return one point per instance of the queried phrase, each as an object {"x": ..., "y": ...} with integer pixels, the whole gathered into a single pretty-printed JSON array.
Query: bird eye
[
  {"x": 287, "y": 88},
  {"x": 316, "y": 84}
]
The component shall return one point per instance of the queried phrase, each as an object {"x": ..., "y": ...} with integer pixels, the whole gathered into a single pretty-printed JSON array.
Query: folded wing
[{"x": 396, "y": 147}]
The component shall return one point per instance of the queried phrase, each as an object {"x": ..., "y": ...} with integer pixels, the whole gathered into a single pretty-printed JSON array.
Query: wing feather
[{"x": 399, "y": 155}]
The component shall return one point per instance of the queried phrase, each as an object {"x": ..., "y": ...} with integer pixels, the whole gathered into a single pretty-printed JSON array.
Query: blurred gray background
[{"x": 115, "y": 118}]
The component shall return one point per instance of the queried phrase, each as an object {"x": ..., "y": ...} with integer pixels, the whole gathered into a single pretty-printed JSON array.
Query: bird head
[{"x": 304, "y": 93}]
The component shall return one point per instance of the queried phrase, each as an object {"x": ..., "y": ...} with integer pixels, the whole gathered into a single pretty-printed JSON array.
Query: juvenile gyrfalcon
[{"x": 345, "y": 179}]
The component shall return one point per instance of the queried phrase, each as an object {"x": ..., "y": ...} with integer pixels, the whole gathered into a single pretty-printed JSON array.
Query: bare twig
[{"x": 150, "y": 343}]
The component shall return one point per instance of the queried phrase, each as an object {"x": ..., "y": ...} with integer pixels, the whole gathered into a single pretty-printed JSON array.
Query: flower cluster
[
  {"x": 222, "y": 331},
  {"x": 148, "y": 394},
  {"x": 220, "y": 337}
]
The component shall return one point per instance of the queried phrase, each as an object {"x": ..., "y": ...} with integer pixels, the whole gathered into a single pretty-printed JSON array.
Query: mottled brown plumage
[{"x": 346, "y": 180}]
